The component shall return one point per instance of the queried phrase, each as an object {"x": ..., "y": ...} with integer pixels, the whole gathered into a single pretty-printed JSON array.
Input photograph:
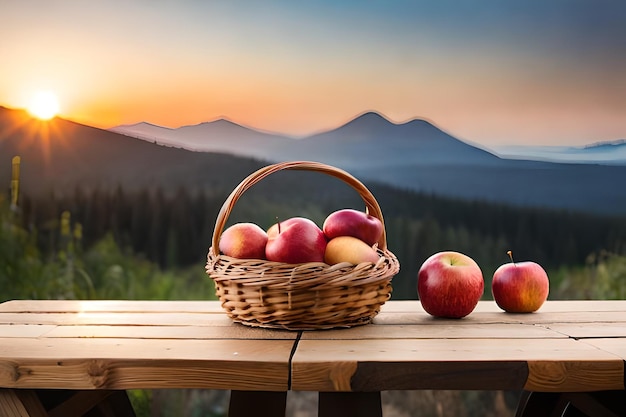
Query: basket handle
[{"x": 371, "y": 205}]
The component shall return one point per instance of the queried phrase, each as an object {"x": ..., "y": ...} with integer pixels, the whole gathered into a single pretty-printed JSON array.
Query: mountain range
[
  {"x": 415, "y": 156},
  {"x": 216, "y": 136}
]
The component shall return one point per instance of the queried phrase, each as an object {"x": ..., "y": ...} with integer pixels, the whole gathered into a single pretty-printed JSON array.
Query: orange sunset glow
[
  {"x": 44, "y": 105},
  {"x": 494, "y": 73}
]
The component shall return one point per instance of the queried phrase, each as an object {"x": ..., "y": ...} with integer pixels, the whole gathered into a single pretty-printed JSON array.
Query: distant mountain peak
[
  {"x": 224, "y": 120},
  {"x": 606, "y": 144},
  {"x": 140, "y": 125},
  {"x": 419, "y": 120},
  {"x": 371, "y": 117},
  {"x": 221, "y": 122},
  {"x": 376, "y": 118}
]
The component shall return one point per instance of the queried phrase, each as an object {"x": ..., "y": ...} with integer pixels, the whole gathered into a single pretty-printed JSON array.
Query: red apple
[
  {"x": 449, "y": 284},
  {"x": 296, "y": 240},
  {"x": 244, "y": 241},
  {"x": 520, "y": 287},
  {"x": 350, "y": 222}
]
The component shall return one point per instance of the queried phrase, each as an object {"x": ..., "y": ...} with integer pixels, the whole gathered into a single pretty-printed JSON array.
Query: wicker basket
[{"x": 304, "y": 296}]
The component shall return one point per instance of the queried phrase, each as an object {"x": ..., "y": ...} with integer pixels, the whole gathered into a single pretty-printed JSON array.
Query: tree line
[{"x": 174, "y": 228}]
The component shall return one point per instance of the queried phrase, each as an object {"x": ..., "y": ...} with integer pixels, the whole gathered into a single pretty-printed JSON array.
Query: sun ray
[{"x": 33, "y": 132}]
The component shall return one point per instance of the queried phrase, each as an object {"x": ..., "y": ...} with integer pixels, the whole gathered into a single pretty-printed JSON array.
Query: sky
[{"x": 526, "y": 72}]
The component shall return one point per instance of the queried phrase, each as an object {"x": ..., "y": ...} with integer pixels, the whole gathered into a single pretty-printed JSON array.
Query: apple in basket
[
  {"x": 449, "y": 284},
  {"x": 295, "y": 240},
  {"x": 520, "y": 287},
  {"x": 243, "y": 241},
  {"x": 350, "y": 222},
  {"x": 349, "y": 249}
]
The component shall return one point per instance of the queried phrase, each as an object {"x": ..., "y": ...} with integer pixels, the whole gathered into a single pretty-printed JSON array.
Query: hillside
[{"x": 61, "y": 155}]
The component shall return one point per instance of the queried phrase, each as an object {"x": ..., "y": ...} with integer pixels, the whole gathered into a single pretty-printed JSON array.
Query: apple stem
[
  {"x": 278, "y": 221},
  {"x": 510, "y": 253}
]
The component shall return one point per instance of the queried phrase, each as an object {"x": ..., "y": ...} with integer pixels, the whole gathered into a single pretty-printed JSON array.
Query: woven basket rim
[{"x": 371, "y": 204}]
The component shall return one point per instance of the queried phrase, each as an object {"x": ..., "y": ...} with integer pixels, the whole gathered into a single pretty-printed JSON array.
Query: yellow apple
[
  {"x": 243, "y": 241},
  {"x": 349, "y": 249}
]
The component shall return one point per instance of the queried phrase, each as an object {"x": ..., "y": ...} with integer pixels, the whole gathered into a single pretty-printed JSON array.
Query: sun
[{"x": 44, "y": 105}]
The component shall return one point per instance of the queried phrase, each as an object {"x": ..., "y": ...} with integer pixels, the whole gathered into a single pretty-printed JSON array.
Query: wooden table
[{"x": 62, "y": 358}]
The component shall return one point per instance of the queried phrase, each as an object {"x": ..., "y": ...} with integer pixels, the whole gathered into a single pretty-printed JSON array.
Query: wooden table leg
[
  {"x": 20, "y": 403},
  {"x": 540, "y": 404},
  {"x": 554, "y": 404},
  {"x": 116, "y": 405},
  {"x": 601, "y": 403},
  {"x": 350, "y": 404},
  {"x": 257, "y": 403},
  {"x": 100, "y": 403}
]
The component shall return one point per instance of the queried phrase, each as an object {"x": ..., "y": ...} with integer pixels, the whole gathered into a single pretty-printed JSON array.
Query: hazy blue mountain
[
  {"x": 585, "y": 187},
  {"x": 150, "y": 133},
  {"x": 418, "y": 156},
  {"x": 368, "y": 139},
  {"x": 414, "y": 156},
  {"x": 606, "y": 153},
  {"x": 372, "y": 141},
  {"x": 606, "y": 145},
  {"x": 217, "y": 136}
]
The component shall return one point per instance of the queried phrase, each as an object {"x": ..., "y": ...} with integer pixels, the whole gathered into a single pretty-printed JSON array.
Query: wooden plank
[
  {"x": 616, "y": 346},
  {"x": 134, "y": 319},
  {"x": 415, "y": 306},
  {"x": 584, "y": 331},
  {"x": 110, "y": 306},
  {"x": 574, "y": 375},
  {"x": 144, "y": 363},
  {"x": 24, "y": 330},
  {"x": 333, "y": 365},
  {"x": 234, "y": 331},
  {"x": 445, "y": 375},
  {"x": 488, "y": 306},
  {"x": 423, "y": 318},
  {"x": 154, "y": 344},
  {"x": 86, "y": 348},
  {"x": 443, "y": 331},
  {"x": 210, "y": 313},
  {"x": 404, "y": 306},
  {"x": 591, "y": 317},
  {"x": 566, "y": 306},
  {"x": 502, "y": 317}
]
